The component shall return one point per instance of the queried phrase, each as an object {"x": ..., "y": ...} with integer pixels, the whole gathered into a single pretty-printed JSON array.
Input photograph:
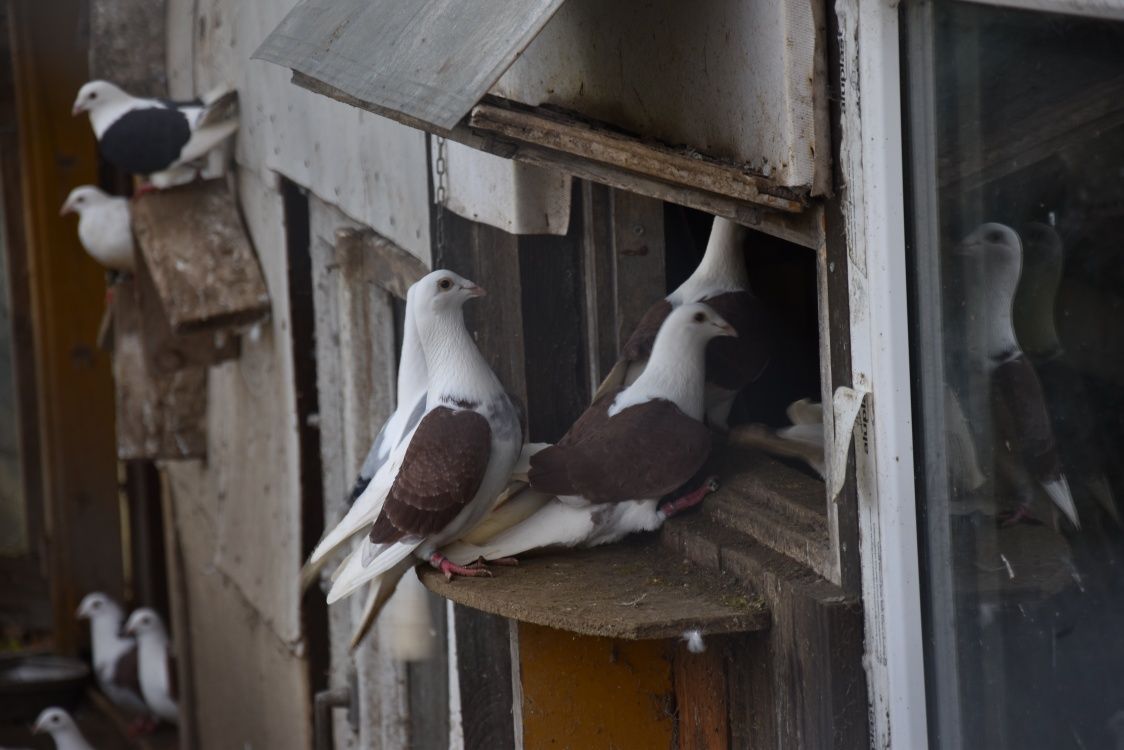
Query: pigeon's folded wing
[{"x": 643, "y": 452}]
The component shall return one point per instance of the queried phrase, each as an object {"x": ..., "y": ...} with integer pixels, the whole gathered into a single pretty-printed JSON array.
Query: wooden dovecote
[{"x": 197, "y": 280}]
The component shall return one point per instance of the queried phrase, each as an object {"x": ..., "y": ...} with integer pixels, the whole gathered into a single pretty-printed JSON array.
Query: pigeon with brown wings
[
  {"x": 629, "y": 450},
  {"x": 115, "y": 657},
  {"x": 443, "y": 478},
  {"x": 722, "y": 282}
]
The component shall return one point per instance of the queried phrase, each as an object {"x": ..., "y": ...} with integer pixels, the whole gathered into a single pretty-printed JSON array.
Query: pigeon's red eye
[
  {"x": 700, "y": 317},
  {"x": 445, "y": 284},
  {"x": 93, "y": 95}
]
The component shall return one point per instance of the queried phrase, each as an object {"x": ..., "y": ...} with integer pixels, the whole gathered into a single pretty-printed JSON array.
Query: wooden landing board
[
  {"x": 202, "y": 263},
  {"x": 636, "y": 589}
]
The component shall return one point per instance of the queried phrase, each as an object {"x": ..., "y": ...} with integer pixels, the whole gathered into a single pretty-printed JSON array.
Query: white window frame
[{"x": 871, "y": 156}]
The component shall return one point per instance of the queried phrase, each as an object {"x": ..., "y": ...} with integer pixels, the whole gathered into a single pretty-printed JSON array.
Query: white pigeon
[
  {"x": 444, "y": 477},
  {"x": 158, "y": 138},
  {"x": 59, "y": 724},
  {"x": 104, "y": 228},
  {"x": 115, "y": 654},
  {"x": 722, "y": 282},
  {"x": 412, "y": 380},
  {"x": 157, "y": 666},
  {"x": 628, "y": 450}
]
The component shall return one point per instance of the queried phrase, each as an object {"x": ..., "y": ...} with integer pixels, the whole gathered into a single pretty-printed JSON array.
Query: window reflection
[{"x": 1017, "y": 296}]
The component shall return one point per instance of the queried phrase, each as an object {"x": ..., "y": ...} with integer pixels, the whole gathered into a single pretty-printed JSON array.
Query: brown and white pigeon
[
  {"x": 722, "y": 282},
  {"x": 443, "y": 478},
  {"x": 156, "y": 664},
  {"x": 157, "y": 138},
  {"x": 630, "y": 449},
  {"x": 59, "y": 724},
  {"x": 1026, "y": 454},
  {"x": 115, "y": 653},
  {"x": 104, "y": 227}
]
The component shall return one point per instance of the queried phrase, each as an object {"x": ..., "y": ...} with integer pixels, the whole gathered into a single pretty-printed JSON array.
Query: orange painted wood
[
  {"x": 583, "y": 692},
  {"x": 700, "y": 694},
  {"x": 75, "y": 392}
]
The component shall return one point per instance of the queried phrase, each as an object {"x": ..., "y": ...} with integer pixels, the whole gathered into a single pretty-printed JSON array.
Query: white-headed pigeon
[
  {"x": 59, "y": 724},
  {"x": 115, "y": 655},
  {"x": 721, "y": 281},
  {"x": 629, "y": 450},
  {"x": 157, "y": 664},
  {"x": 444, "y": 477},
  {"x": 104, "y": 228},
  {"x": 1026, "y": 454},
  {"x": 158, "y": 138}
]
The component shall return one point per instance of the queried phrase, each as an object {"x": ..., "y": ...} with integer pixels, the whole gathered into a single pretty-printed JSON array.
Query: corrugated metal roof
[{"x": 424, "y": 62}]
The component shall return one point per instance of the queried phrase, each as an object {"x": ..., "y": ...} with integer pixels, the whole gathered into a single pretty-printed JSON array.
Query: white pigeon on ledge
[
  {"x": 157, "y": 663},
  {"x": 115, "y": 655},
  {"x": 629, "y": 450},
  {"x": 158, "y": 138},
  {"x": 443, "y": 478},
  {"x": 104, "y": 227},
  {"x": 59, "y": 724}
]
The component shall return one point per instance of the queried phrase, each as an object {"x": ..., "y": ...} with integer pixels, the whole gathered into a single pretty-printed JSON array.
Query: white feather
[
  {"x": 366, "y": 563},
  {"x": 1059, "y": 494}
]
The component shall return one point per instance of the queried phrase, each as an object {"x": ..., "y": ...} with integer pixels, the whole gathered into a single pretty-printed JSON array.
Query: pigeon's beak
[
  {"x": 37, "y": 727},
  {"x": 725, "y": 328},
  {"x": 474, "y": 291},
  {"x": 81, "y": 612},
  {"x": 66, "y": 209},
  {"x": 76, "y": 109}
]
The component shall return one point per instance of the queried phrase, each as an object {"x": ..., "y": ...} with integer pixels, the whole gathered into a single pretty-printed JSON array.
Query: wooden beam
[
  {"x": 602, "y": 146},
  {"x": 389, "y": 266},
  {"x": 803, "y": 228}
]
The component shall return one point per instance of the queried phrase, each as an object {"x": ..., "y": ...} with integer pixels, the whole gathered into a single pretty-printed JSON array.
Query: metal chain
[{"x": 441, "y": 194}]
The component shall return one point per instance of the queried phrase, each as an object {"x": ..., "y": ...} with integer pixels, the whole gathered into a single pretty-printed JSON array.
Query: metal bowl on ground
[{"x": 31, "y": 682}]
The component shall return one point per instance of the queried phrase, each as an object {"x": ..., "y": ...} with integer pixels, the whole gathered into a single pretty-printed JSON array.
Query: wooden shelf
[{"x": 636, "y": 589}]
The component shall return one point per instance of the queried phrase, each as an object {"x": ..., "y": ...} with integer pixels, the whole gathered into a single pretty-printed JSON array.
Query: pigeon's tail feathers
[
  {"x": 805, "y": 411},
  {"x": 1100, "y": 489},
  {"x": 407, "y": 614},
  {"x": 1059, "y": 494},
  {"x": 804, "y": 442},
  {"x": 409, "y": 624},
  {"x": 310, "y": 572},
  {"x": 207, "y": 138},
  {"x": 220, "y": 103},
  {"x": 515, "y": 509},
  {"x": 367, "y": 563},
  {"x": 554, "y": 525},
  {"x": 358, "y": 518}
]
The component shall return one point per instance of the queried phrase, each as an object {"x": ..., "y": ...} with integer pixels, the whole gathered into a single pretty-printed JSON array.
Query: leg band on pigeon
[
  {"x": 690, "y": 500},
  {"x": 450, "y": 569}
]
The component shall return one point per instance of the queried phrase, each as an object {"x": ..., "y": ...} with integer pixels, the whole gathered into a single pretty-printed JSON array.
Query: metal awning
[{"x": 422, "y": 62}]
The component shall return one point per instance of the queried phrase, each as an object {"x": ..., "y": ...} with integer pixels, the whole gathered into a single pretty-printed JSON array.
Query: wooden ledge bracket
[
  {"x": 578, "y": 138},
  {"x": 636, "y": 589},
  {"x": 199, "y": 254}
]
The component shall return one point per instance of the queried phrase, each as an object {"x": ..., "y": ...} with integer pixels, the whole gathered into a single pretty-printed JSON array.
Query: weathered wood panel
[
  {"x": 600, "y": 145},
  {"x": 158, "y": 415},
  {"x": 423, "y": 63},
  {"x": 484, "y": 673},
  {"x": 202, "y": 262},
  {"x": 701, "y": 700},
  {"x": 123, "y": 47},
  {"x": 638, "y": 258},
  {"x": 166, "y": 351}
]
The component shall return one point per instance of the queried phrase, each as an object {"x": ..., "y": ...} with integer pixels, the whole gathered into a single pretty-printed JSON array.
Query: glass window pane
[{"x": 1016, "y": 128}]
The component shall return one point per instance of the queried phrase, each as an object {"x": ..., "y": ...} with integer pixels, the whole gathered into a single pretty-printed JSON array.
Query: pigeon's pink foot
[
  {"x": 1019, "y": 515},
  {"x": 146, "y": 187},
  {"x": 690, "y": 500},
  {"x": 140, "y": 726},
  {"x": 450, "y": 568}
]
